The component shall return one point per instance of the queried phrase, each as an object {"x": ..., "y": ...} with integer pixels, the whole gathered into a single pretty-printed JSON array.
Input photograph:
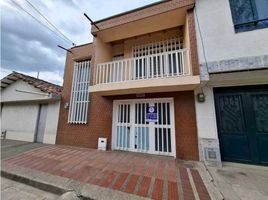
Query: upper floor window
[
  {"x": 78, "y": 110},
  {"x": 154, "y": 58},
  {"x": 161, "y": 46},
  {"x": 249, "y": 14}
]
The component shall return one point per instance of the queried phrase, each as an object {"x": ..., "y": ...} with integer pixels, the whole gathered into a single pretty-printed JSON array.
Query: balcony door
[
  {"x": 157, "y": 58},
  {"x": 144, "y": 126}
]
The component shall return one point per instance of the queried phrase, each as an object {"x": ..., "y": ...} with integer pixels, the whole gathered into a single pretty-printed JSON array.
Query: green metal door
[{"x": 242, "y": 121}]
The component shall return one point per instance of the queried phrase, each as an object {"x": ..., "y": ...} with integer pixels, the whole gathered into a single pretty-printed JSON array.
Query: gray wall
[{"x": 226, "y": 50}]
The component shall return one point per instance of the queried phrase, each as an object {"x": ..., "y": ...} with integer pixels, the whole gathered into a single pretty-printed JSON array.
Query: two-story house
[
  {"x": 232, "y": 40},
  {"x": 134, "y": 85}
]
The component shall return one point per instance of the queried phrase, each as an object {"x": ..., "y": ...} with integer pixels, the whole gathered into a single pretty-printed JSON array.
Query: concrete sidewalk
[
  {"x": 11, "y": 148},
  {"x": 241, "y": 182},
  {"x": 11, "y": 190}
]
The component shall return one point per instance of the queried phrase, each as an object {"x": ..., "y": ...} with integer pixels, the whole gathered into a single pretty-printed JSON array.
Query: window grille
[
  {"x": 157, "y": 47},
  {"x": 78, "y": 110},
  {"x": 152, "y": 66},
  {"x": 249, "y": 14}
]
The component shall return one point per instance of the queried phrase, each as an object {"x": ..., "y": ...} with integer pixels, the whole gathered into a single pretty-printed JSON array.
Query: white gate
[{"x": 133, "y": 131}]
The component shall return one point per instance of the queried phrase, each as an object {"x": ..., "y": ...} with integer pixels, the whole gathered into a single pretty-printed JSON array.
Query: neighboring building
[
  {"x": 134, "y": 85},
  {"x": 233, "y": 54},
  {"x": 29, "y": 108}
]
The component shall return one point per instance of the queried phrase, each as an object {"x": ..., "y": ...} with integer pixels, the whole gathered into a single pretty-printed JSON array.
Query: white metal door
[
  {"x": 122, "y": 129},
  {"x": 141, "y": 127},
  {"x": 132, "y": 132}
]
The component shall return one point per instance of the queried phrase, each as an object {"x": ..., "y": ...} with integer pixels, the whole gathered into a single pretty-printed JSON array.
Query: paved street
[
  {"x": 12, "y": 190},
  {"x": 13, "y": 147}
]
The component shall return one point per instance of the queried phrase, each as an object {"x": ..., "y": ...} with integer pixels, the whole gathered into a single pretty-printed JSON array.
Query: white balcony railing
[{"x": 169, "y": 64}]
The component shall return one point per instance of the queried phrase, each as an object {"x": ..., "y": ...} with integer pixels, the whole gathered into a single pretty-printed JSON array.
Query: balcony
[{"x": 161, "y": 72}]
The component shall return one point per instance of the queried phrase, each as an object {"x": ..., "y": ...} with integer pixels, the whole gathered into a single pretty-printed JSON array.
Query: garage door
[
  {"x": 242, "y": 121},
  {"x": 19, "y": 120}
]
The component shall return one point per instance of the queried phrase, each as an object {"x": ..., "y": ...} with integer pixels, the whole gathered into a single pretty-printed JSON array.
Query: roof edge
[
  {"x": 131, "y": 11},
  {"x": 43, "y": 86},
  {"x": 77, "y": 46}
]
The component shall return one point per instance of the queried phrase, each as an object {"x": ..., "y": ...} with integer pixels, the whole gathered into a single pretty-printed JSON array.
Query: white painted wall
[
  {"x": 19, "y": 119},
  {"x": 52, "y": 122},
  {"x": 206, "y": 113},
  {"x": 20, "y": 111},
  {"x": 10, "y": 93},
  {"x": 220, "y": 40}
]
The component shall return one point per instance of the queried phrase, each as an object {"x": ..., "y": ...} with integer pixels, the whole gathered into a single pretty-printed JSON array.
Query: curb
[
  {"x": 212, "y": 189},
  {"x": 59, "y": 185},
  {"x": 33, "y": 183}
]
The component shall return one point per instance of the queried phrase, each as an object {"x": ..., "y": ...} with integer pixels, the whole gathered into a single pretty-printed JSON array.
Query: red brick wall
[
  {"x": 100, "y": 108},
  {"x": 193, "y": 42},
  {"x": 100, "y": 123}
]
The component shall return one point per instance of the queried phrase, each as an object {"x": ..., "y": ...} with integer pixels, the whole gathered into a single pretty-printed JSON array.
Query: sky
[{"x": 29, "y": 47}]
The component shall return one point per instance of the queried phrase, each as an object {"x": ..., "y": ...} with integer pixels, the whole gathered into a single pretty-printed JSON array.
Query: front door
[
  {"x": 242, "y": 118},
  {"x": 136, "y": 129}
]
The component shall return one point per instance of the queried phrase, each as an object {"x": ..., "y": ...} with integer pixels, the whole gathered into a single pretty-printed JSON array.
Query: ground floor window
[{"x": 80, "y": 95}]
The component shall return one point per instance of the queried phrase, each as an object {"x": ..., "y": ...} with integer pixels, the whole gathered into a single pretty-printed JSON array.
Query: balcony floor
[{"x": 168, "y": 84}]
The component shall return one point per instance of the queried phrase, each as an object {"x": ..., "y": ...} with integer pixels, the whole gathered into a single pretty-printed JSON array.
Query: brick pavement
[{"x": 156, "y": 177}]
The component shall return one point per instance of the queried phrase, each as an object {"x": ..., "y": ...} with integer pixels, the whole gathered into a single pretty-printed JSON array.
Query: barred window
[
  {"x": 249, "y": 14},
  {"x": 80, "y": 95}
]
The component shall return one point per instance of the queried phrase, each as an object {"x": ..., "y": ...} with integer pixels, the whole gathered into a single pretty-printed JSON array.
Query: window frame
[
  {"x": 239, "y": 26},
  {"x": 79, "y": 100}
]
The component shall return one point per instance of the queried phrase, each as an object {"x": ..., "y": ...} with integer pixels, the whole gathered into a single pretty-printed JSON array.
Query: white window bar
[
  {"x": 177, "y": 63},
  {"x": 162, "y": 123},
  {"x": 123, "y": 126},
  {"x": 79, "y": 96},
  {"x": 182, "y": 63}
]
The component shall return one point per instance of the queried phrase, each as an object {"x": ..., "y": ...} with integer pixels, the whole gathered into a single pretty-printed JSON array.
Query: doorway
[{"x": 144, "y": 125}]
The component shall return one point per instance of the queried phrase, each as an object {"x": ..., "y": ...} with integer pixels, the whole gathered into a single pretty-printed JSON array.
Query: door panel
[
  {"x": 133, "y": 132},
  {"x": 142, "y": 138},
  {"x": 141, "y": 141},
  {"x": 235, "y": 147},
  {"x": 163, "y": 128},
  {"x": 123, "y": 127},
  {"x": 123, "y": 137},
  {"x": 260, "y": 108},
  {"x": 242, "y": 120},
  {"x": 233, "y": 133}
]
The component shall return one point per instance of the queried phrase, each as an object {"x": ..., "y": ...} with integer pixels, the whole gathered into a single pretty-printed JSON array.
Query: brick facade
[
  {"x": 193, "y": 42},
  {"x": 100, "y": 122},
  {"x": 100, "y": 108}
]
